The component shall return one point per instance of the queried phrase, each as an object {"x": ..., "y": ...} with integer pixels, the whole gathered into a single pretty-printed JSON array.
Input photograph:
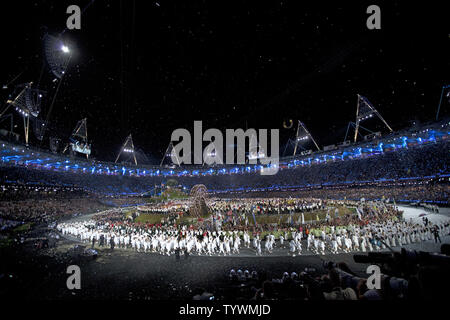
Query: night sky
[{"x": 149, "y": 67}]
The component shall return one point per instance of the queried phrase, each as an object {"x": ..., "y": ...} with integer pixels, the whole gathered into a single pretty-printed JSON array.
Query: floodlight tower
[
  {"x": 303, "y": 135},
  {"x": 127, "y": 147},
  {"x": 365, "y": 110},
  {"x": 255, "y": 153},
  {"x": 168, "y": 154},
  {"x": 57, "y": 55},
  {"x": 27, "y": 103}
]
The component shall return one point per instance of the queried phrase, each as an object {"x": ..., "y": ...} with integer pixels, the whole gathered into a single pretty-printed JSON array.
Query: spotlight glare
[{"x": 65, "y": 49}]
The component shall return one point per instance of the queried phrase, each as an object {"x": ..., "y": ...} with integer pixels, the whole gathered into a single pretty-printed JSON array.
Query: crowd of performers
[{"x": 376, "y": 226}]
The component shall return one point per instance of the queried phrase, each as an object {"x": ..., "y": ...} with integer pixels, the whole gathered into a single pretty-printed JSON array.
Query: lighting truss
[
  {"x": 303, "y": 135},
  {"x": 255, "y": 152},
  {"x": 167, "y": 155},
  {"x": 27, "y": 103},
  {"x": 57, "y": 55},
  {"x": 127, "y": 148},
  {"x": 365, "y": 110}
]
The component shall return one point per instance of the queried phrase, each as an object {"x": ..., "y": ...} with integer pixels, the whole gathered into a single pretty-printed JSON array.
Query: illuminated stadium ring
[{"x": 17, "y": 155}]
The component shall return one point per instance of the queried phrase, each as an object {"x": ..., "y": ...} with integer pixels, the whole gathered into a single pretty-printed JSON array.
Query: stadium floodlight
[
  {"x": 127, "y": 147},
  {"x": 28, "y": 100},
  {"x": 364, "y": 111},
  {"x": 302, "y": 138},
  {"x": 27, "y": 103},
  {"x": 302, "y": 135},
  {"x": 57, "y": 55},
  {"x": 168, "y": 155},
  {"x": 256, "y": 151},
  {"x": 256, "y": 155}
]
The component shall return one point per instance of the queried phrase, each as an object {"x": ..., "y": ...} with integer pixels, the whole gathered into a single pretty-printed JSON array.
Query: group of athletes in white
[
  {"x": 372, "y": 237},
  {"x": 168, "y": 240}
]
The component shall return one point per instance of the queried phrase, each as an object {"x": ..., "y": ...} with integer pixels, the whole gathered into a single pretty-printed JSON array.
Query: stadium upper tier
[{"x": 415, "y": 154}]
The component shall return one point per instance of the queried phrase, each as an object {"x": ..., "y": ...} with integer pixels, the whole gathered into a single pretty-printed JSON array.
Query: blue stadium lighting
[
  {"x": 404, "y": 143},
  {"x": 380, "y": 146},
  {"x": 18, "y": 156},
  {"x": 123, "y": 171}
]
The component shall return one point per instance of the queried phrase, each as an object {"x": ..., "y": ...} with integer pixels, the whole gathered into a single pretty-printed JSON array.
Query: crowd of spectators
[
  {"x": 402, "y": 278},
  {"x": 418, "y": 162},
  {"x": 48, "y": 210},
  {"x": 14, "y": 192},
  {"x": 430, "y": 191}
]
